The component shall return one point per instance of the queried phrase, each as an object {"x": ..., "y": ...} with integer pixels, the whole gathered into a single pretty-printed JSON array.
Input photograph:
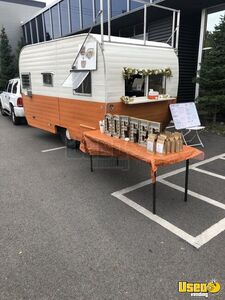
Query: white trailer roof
[{"x": 122, "y": 40}]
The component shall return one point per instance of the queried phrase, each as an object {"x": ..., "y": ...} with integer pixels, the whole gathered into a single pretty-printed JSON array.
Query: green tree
[
  {"x": 212, "y": 74},
  {"x": 7, "y": 61},
  {"x": 208, "y": 39},
  {"x": 20, "y": 45}
]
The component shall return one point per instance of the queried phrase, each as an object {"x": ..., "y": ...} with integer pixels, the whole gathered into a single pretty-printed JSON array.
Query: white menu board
[
  {"x": 184, "y": 115},
  {"x": 87, "y": 58}
]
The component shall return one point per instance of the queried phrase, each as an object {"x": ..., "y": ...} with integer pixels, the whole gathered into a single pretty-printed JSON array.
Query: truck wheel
[
  {"x": 69, "y": 143},
  {"x": 2, "y": 110},
  {"x": 15, "y": 119}
]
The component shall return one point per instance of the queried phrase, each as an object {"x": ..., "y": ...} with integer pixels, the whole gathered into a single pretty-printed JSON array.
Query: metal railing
[{"x": 173, "y": 39}]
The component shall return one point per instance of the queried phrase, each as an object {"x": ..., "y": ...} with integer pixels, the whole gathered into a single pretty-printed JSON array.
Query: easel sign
[{"x": 184, "y": 115}]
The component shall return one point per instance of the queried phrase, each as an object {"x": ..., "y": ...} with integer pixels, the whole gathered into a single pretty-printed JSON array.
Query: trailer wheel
[{"x": 70, "y": 143}]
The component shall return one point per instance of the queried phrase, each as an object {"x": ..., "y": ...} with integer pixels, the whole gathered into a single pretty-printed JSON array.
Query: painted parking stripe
[
  {"x": 134, "y": 187},
  {"x": 169, "y": 174},
  {"x": 197, "y": 241},
  {"x": 169, "y": 226},
  {"x": 53, "y": 149},
  {"x": 208, "y": 160},
  {"x": 209, "y": 173},
  {"x": 210, "y": 233},
  {"x": 193, "y": 194}
]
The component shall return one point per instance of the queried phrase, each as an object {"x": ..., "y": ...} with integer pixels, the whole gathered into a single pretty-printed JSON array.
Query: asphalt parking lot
[{"x": 65, "y": 233}]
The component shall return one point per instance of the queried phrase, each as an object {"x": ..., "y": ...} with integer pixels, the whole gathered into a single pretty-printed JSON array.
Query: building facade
[
  {"x": 12, "y": 13},
  {"x": 66, "y": 17}
]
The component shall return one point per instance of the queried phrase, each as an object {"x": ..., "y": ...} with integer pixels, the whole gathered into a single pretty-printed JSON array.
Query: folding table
[{"x": 96, "y": 143}]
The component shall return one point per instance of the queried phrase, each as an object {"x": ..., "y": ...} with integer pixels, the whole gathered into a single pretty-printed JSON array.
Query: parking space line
[
  {"x": 209, "y": 173},
  {"x": 148, "y": 181},
  {"x": 210, "y": 233},
  {"x": 193, "y": 194},
  {"x": 53, "y": 149},
  {"x": 203, "y": 237},
  {"x": 133, "y": 187},
  {"x": 208, "y": 160},
  {"x": 167, "y": 225}
]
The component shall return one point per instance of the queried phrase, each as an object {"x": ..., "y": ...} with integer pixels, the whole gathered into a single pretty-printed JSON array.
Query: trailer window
[
  {"x": 135, "y": 86},
  {"x": 84, "y": 86},
  {"x": 47, "y": 79},
  {"x": 26, "y": 82},
  {"x": 158, "y": 83}
]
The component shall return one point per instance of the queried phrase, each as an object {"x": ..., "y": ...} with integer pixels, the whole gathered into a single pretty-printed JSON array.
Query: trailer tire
[{"x": 69, "y": 143}]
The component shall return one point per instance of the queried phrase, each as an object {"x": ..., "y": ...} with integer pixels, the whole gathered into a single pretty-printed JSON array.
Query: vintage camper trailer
[{"x": 58, "y": 99}]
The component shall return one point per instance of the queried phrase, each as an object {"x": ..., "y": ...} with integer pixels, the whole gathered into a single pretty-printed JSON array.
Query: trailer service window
[
  {"x": 158, "y": 83},
  {"x": 135, "y": 86},
  {"x": 139, "y": 86}
]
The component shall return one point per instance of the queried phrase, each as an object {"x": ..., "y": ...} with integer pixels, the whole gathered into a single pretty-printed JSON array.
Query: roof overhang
[
  {"x": 26, "y": 2},
  {"x": 190, "y": 5}
]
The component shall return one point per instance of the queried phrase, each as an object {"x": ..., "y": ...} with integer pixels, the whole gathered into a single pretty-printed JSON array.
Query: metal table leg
[
  {"x": 91, "y": 162},
  {"x": 154, "y": 195},
  {"x": 186, "y": 180}
]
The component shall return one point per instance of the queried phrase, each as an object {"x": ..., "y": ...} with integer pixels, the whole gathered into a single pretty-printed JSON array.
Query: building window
[
  {"x": 27, "y": 26},
  {"x": 40, "y": 28},
  {"x": 158, "y": 83},
  {"x": 105, "y": 10},
  {"x": 118, "y": 7},
  {"x": 24, "y": 34},
  {"x": 87, "y": 13},
  {"x": 26, "y": 81},
  {"x": 47, "y": 79},
  {"x": 64, "y": 17},
  {"x": 55, "y": 22},
  {"x": 75, "y": 15},
  {"x": 48, "y": 29},
  {"x": 135, "y": 86},
  {"x": 82, "y": 83},
  {"x": 134, "y": 5},
  {"x": 34, "y": 31}
]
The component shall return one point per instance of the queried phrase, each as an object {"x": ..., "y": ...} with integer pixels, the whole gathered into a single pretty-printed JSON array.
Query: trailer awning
[{"x": 75, "y": 79}]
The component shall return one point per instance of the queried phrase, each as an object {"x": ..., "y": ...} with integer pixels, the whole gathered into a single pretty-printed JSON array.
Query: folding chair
[
  {"x": 186, "y": 119},
  {"x": 195, "y": 136}
]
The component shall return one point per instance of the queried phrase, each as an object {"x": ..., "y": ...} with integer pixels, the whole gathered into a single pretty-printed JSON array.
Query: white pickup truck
[{"x": 11, "y": 101}]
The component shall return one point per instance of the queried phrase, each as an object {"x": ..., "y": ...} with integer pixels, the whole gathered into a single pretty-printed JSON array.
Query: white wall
[{"x": 11, "y": 16}]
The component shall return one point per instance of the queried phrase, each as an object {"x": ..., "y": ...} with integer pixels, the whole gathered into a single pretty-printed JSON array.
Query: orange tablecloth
[{"x": 97, "y": 143}]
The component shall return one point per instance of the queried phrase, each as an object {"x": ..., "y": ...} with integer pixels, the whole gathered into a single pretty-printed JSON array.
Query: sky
[
  {"x": 48, "y": 1},
  {"x": 213, "y": 19}
]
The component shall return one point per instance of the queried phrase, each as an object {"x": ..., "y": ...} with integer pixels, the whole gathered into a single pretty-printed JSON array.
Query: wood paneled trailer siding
[{"x": 55, "y": 106}]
